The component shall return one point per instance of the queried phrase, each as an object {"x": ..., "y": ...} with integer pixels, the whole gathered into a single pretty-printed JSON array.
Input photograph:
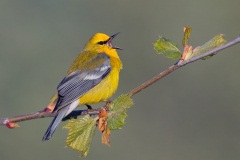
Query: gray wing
[{"x": 81, "y": 81}]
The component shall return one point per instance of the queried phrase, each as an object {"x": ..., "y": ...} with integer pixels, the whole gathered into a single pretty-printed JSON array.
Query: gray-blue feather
[
  {"x": 77, "y": 84},
  {"x": 81, "y": 81},
  {"x": 54, "y": 124}
]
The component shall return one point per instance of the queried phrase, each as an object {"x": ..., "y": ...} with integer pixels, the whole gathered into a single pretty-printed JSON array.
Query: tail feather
[{"x": 55, "y": 123}]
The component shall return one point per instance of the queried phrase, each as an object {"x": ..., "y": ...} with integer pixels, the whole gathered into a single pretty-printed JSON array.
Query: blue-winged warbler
[{"x": 93, "y": 77}]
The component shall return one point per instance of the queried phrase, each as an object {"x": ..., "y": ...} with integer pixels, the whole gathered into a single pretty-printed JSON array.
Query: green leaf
[
  {"x": 117, "y": 113},
  {"x": 80, "y": 134},
  {"x": 167, "y": 48},
  {"x": 210, "y": 45},
  {"x": 186, "y": 37}
]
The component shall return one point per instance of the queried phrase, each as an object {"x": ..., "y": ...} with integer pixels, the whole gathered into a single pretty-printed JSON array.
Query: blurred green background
[{"x": 193, "y": 113}]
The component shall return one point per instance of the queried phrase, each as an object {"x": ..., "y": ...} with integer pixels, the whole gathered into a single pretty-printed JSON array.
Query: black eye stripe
[{"x": 102, "y": 42}]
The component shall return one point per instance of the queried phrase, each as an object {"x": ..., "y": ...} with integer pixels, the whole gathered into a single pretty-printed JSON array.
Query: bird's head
[{"x": 101, "y": 40}]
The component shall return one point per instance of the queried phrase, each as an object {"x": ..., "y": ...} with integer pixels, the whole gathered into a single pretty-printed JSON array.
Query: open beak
[{"x": 109, "y": 42}]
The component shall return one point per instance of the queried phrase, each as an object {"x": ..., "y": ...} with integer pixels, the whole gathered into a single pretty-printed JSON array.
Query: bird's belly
[{"x": 103, "y": 91}]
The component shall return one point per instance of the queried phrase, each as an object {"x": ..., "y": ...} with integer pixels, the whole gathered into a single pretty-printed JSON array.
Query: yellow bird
[{"x": 93, "y": 77}]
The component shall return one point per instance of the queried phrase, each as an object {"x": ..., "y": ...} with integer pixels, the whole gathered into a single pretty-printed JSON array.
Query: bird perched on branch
[{"x": 93, "y": 77}]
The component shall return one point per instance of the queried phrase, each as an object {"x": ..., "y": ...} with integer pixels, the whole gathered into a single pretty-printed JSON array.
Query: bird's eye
[{"x": 101, "y": 42}]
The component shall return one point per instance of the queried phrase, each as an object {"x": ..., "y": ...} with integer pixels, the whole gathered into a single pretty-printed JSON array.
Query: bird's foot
[{"x": 89, "y": 108}]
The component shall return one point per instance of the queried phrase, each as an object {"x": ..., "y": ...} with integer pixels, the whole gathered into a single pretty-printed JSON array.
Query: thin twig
[
  {"x": 42, "y": 114},
  {"x": 183, "y": 63}
]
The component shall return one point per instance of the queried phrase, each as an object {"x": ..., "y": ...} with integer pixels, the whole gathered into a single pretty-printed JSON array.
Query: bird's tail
[{"x": 55, "y": 123}]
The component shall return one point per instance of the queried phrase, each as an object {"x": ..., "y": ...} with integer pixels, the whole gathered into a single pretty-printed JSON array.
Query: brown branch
[
  {"x": 42, "y": 114},
  {"x": 153, "y": 80},
  {"x": 181, "y": 64}
]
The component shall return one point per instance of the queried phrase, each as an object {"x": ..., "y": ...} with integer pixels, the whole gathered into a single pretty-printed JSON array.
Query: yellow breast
[{"x": 106, "y": 88}]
